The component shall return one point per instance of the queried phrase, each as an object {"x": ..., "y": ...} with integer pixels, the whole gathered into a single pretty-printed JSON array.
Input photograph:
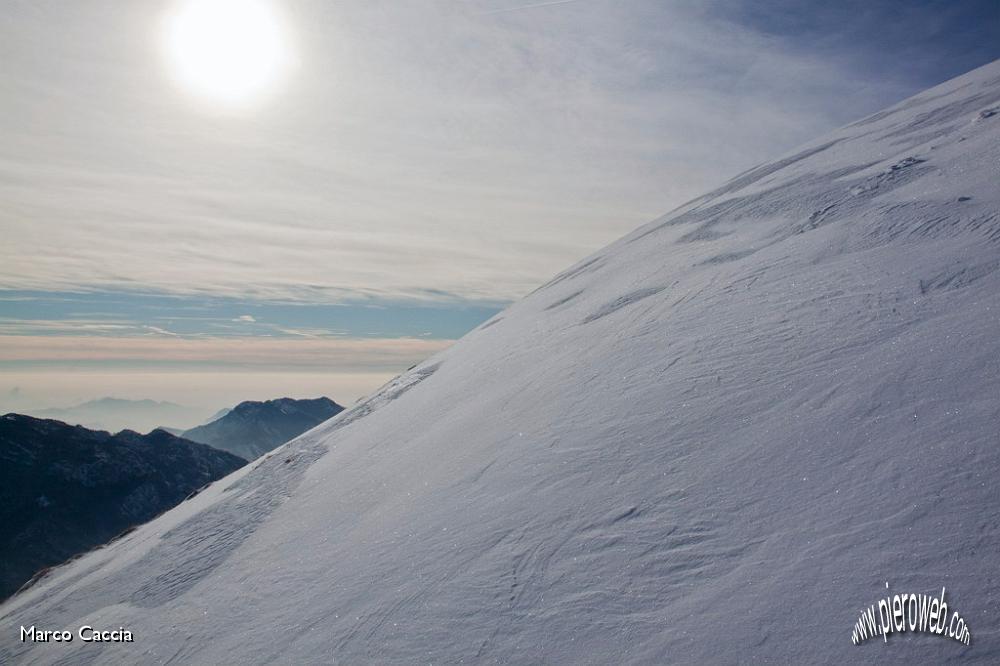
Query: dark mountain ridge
[
  {"x": 253, "y": 428},
  {"x": 65, "y": 489}
]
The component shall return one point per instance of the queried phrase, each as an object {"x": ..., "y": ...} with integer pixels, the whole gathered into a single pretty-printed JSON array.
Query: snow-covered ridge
[{"x": 713, "y": 441}]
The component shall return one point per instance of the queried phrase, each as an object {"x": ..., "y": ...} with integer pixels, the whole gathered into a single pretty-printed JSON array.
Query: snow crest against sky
[{"x": 447, "y": 154}]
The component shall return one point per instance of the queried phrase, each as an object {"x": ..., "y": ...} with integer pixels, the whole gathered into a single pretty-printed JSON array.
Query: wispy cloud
[
  {"x": 531, "y": 6},
  {"x": 160, "y": 331},
  {"x": 317, "y": 354},
  {"x": 67, "y": 327},
  {"x": 424, "y": 151}
]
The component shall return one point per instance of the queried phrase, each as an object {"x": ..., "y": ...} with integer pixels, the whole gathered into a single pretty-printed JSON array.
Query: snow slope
[{"x": 713, "y": 441}]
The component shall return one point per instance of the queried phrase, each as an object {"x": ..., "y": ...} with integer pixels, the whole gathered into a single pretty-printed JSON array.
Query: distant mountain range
[
  {"x": 253, "y": 428},
  {"x": 65, "y": 489},
  {"x": 114, "y": 414}
]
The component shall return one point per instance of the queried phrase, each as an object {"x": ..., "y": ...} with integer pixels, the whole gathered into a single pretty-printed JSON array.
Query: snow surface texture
[{"x": 713, "y": 441}]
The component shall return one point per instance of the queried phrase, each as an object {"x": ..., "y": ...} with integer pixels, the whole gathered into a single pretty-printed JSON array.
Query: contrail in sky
[{"x": 537, "y": 4}]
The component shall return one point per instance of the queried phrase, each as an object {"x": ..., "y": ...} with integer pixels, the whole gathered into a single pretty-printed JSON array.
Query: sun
[{"x": 231, "y": 52}]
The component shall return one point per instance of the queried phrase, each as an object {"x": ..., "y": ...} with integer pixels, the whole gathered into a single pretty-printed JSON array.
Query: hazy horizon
[{"x": 200, "y": 395}]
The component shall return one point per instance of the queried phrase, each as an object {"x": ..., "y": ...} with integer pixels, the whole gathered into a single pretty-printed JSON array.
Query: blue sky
[
  {"x": 114, "y": 313},
  {"x": 422, "y": 164}
]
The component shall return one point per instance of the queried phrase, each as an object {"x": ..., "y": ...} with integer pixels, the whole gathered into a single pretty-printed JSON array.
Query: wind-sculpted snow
[
  {"x": 563, "y": 301},
  {"x": 622, "y": 301},
  {"x": 714, "y": 441}
]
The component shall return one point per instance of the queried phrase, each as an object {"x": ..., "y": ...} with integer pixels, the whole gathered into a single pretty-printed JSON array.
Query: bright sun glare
[{"x": 229, "y": 51}]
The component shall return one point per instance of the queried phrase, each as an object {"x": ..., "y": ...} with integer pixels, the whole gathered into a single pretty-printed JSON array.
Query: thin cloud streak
[
  {"x": 534, "y": 6},
  {"x": 318, "y": 354}
]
